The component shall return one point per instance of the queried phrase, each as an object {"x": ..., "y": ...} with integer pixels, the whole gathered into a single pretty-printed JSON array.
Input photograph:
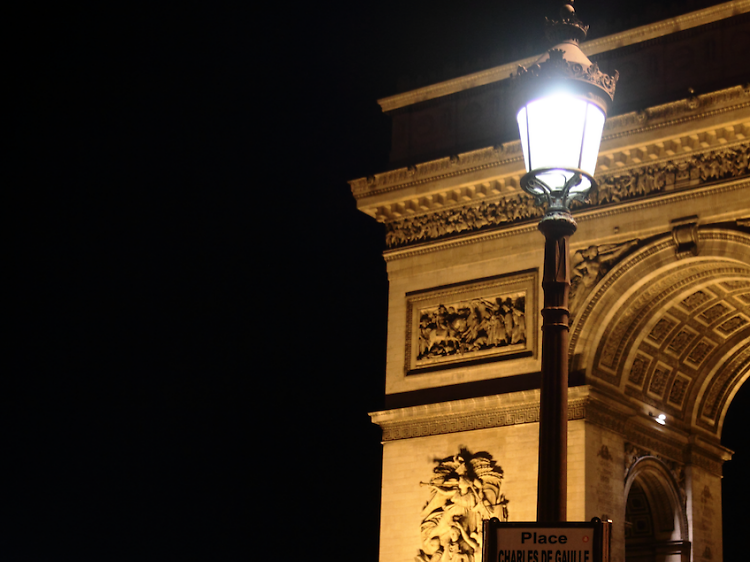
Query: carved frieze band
[
  {"x": 473, "y": 421},
  {"x": 436, "y": 217}
]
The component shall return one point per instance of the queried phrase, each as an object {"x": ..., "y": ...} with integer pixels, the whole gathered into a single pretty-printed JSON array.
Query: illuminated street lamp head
[{"x": 562, "y": 102}]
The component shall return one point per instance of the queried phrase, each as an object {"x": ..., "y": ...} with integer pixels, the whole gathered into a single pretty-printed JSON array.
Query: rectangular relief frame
[{"x": 490, "y": 319}]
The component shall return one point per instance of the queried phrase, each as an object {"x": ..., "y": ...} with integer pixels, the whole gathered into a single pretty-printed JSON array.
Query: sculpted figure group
[
  {"x": 643, "y": 181},
  {"x": 702, "y": 168},
  {"x": 589, "y": 265},
  {"x": 464, "y": 491},
  {"x": 464, "y": 219},
  {"x": 472, "y": 326}
]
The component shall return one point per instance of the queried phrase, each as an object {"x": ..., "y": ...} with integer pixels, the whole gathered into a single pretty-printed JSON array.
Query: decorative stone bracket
[{"x": 685, "y": 236}]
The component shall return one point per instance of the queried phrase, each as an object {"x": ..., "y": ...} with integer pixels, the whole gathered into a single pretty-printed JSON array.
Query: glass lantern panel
[
  {"x": 592, "y": 138},
  {"x": 523, "y": 130},
  {"x": 556, "y": 126},
  {"x": 561, "y": 131}
]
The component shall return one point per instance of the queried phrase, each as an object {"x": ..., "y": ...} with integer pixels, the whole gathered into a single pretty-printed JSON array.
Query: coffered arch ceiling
[{"x": 672, "y": 333}]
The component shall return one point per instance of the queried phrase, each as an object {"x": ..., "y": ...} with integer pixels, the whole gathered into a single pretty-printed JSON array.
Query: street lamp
[{"x": 562, "y": 102}]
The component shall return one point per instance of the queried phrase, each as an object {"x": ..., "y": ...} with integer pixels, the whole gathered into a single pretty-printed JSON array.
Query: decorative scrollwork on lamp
[{"x": 562, "y": 101}]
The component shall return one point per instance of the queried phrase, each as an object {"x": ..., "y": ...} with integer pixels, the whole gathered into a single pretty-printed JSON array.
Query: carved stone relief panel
[
  {"x": 660, "y": 330},
  {"x": 464, "y": 491},
  {"x": 700, "y": 352},
  {"x": 659, "y": 380},
  {"x": 679, "y": 389},
  {"x": 639, "y": 369},
  {"x": 713, "y": 313},
  {"x": 588, "y": 266},
  {"x": 485, "y": 320},
  {"x": 681, "y": 340},
  {"x": 732, "y": 325},
  {"x": 696, "y": 299}
]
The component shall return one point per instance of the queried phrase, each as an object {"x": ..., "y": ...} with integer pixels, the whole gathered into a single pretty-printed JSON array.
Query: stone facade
[{"x": 660, "y": 306}]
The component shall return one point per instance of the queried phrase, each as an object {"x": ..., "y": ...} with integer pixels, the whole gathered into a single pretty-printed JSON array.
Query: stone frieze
[
  {"x": 614, "y": 187},
  {"x": 443, "y": 224}
]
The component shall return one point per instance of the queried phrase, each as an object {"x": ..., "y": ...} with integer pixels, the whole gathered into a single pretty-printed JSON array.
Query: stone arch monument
[{"x": 660, "y": 305}]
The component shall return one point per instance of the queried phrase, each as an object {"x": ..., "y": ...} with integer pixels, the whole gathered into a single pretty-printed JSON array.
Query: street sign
[{"x": 546, "y": 542}]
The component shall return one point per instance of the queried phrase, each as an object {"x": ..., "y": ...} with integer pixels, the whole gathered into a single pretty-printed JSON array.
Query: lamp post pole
[
  {"x": 553, "y": 408},
  {"x": 562, "y": 102}
]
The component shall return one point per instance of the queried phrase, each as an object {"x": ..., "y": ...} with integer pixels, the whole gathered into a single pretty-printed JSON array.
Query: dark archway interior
[
  {"x": 652, "y": 530},
  {"x": 735, "y": 485}
]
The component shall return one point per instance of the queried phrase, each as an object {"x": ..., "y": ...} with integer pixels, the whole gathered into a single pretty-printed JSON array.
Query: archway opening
[
  {"x": 735, "y": 486},
  {"x": 655, "y": 530}
]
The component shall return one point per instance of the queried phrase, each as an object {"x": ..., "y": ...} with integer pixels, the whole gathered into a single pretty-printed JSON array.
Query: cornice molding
[
  {"x": 435, "y": 170},
  {"x": 603, "y": 44},
  {"x": 473, "y": 414},
  {"x": 677, "y": 112},
  {"x": 510, "y": 157},
  {"x": 584, "y": 403},
  {"x": 706, "y": 459}
]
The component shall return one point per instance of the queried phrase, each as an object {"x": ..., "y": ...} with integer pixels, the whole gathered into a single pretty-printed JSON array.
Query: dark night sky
[{"x": 199, "y": 309}]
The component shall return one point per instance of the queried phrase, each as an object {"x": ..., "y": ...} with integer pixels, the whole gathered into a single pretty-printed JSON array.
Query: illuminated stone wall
[{"x": 660, "y": 273}]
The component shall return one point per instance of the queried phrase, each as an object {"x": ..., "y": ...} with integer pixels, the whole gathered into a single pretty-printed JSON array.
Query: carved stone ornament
[
  {"x": 588, "y": 266},
  {"x": 685, "y": 236},
  {"x": 727, "y": 163},
  {"x": 481, "y": 320},
  {"x": 627, "y": 185},
  {"x": 451, "y": 222},
  {"x": 556, "y": 66},
  {"x": 464, "y": 491},
  {"x": 566, "y": 61}
]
